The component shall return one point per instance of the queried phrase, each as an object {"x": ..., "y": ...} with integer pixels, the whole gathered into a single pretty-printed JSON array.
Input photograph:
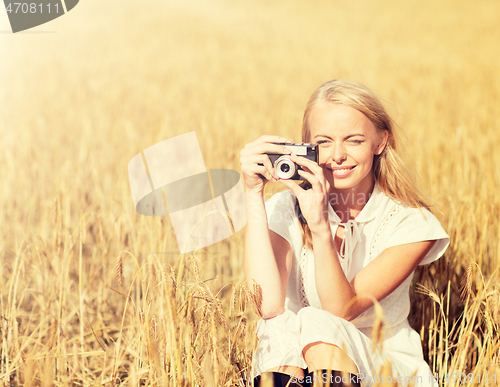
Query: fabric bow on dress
[{"x": 352, "y": 234}]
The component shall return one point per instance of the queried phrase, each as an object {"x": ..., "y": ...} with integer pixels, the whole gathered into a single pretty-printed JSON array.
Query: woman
[{"x": 322, "y": 251}]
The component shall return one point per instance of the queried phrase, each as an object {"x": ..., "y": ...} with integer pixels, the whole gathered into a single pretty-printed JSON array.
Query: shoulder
[
  {"x": 414, "y": 216},
  {"x": 389, "y": 210},
  {"x": 408, "y": 225}
]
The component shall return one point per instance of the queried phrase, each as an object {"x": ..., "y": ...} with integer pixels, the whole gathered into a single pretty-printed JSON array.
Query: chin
[{"x": 343, "y": 185}]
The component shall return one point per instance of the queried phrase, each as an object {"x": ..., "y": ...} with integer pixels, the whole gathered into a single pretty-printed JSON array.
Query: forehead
[{"x": 336, "y": 120}]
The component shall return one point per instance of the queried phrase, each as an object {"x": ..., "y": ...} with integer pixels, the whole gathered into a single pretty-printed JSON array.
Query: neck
[{"x": 348, "y": 203}]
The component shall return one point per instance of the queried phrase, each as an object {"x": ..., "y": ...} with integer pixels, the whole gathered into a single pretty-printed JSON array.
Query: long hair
[{"x": 388, "y": 168}]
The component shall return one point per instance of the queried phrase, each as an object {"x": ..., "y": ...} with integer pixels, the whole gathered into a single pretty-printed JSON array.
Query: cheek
[
  {"x": 361, "y": 154},
  {"x": 323, "y": 157}
]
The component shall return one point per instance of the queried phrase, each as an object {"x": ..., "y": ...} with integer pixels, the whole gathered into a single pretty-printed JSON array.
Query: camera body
[{"x": 285, "y": 168}]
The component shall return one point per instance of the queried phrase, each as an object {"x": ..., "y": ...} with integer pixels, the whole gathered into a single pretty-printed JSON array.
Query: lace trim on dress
[
  {"x": 392, "y": 213},
  {"x": 395, "y": 210},
  {"x": 302, "y": 274}
]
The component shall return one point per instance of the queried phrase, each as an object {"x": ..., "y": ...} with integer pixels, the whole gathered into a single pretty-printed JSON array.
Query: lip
[
  {"x": 341, "y": 175},
  {"x": 342, "y": 167}
]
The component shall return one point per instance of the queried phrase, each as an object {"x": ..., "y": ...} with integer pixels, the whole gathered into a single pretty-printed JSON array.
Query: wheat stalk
[
  {"x": 467, "y": 283},
  {"x": 119, "y": 269}
]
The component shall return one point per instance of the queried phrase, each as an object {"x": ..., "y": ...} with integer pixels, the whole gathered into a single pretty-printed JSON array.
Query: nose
[{"x": 338, "y": 153}]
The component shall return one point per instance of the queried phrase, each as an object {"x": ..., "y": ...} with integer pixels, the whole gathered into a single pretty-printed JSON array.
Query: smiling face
[{"x": 347, "y": 142}]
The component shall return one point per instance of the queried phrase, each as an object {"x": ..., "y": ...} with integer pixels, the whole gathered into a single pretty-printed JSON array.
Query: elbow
[
  {"x": 356, "y": 309},
  {"x": 268, "y": 309},
  {"x": 350, "y": 317},
  {"x": 339, "y": 313},
  {"x": 267, "y": 303},
  {"x": 268, "y": 312},
  {"x": 347, "y": 314}
]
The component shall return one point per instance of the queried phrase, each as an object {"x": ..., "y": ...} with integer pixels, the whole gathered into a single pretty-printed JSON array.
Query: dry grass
[{"x": 91, "y": 293}]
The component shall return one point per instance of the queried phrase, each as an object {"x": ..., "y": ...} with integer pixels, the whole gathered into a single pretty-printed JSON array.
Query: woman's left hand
[{"x": 313, "y": 202}]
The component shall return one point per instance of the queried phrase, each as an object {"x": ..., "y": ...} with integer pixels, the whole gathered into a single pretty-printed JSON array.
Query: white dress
[{"x": 382, "y": 223}]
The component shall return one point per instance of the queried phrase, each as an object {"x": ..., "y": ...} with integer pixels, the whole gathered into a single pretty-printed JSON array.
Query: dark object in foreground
[
  {"x": 279, "y": 380},
  {"x": 317, "y": 378}
]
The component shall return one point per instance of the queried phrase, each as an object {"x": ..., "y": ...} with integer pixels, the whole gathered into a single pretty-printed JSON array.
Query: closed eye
[
  {"x": 328, "y": 142},
  {"x": 323, "y": 142}
]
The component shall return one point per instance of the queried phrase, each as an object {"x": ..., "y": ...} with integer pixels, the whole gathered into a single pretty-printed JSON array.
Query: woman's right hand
[{"x": 255, "y": 164}]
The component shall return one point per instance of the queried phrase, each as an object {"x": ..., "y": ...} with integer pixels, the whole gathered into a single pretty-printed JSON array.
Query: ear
[{"x": 383, "y": 142}]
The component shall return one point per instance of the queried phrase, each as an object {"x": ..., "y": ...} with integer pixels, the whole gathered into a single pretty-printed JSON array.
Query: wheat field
[{"x": 92, "y": 293}]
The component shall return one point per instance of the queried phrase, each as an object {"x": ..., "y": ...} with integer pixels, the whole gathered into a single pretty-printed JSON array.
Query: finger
[
  {"x": 313, "y": 177},
  {"x": 269, "y": 166},
  {"x": 268, "y": 147},
  {"x": 305, "y": 162},
  {"x": 262, "y": 160},
  {"x": 316, "y": 183},
  {"x": 267, "y": 138},
  {"x": 326, "y": 185},
  {"x": 318, "y": 191},
  {"x": 314, "y": 169},
  {"x": 317, "y": 187},
  {"x": 264, "y": 173},
  {"x": 318, "y": 176}
]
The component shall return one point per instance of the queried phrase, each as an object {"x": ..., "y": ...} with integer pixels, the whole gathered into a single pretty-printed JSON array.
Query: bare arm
[
  {"x": 386, "y": 272},
  {"x": 378, "y": 279},
  {"x": 267, "y": 255},
  {"x": 267, "y": 258}
]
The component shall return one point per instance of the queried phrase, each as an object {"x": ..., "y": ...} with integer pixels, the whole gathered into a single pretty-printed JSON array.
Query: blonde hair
[{"x": 389, "y": 170}]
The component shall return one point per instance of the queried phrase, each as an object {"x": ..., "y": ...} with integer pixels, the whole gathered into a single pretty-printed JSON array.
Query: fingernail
[
  {"x": 274, "y": 180},
  {"x": 287, "y": 150}
]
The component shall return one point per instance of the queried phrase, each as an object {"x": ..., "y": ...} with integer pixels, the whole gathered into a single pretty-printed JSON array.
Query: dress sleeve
[
  {"x": 411, "y": 226},
  {"x": 280, "y": 210}
]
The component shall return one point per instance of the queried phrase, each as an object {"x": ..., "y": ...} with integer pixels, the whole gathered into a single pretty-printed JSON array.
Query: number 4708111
[
  {"x": 469, "y": 378},
  {"x": 31, "y": 8}
]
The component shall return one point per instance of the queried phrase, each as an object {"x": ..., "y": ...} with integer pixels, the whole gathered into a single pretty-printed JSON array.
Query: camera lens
[{"x": 284, "y": 167}]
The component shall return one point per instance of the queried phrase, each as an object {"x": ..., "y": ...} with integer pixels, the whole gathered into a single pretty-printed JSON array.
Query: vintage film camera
[{"x": 285, "y": 168}]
